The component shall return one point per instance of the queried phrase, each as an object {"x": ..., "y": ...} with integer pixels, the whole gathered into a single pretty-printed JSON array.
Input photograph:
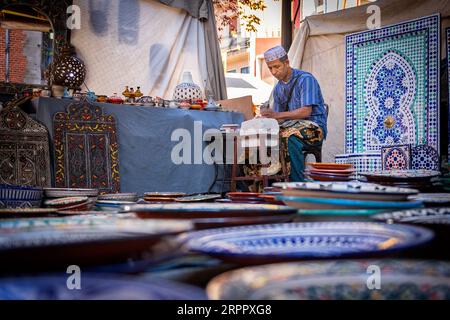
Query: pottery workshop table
[{"x": 145, "y": 146}]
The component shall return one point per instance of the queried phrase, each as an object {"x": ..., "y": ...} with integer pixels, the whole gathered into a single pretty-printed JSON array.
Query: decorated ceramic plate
[
  {"x": 412, "y": 215},
  {"x": 336, "y": 280},
  {"x": 316, "y": 177},
  {"x": 209, "y": 223},
  {"x": 278, "y": 242},
  {"x": 33, "y": 243},
  {"x": 433, "y": 199},
  {"x": 64, "y": 202},
  {"x": 164, "y": 194},
  {"x": 346, "y": 190},
  {"x": 400, "y": 175},
  {"x": 26, "y": 212},
  {"x": 335, "y": 203},
  {"x": 330, "y": 171},
  {"x": 97, "y": 287},
  {"x": 330, "y": 166},
  {"x": 119, "y": 196},
  {"x": 69, "y": 192},
  {"x": 198, "y": 198},
  {"x": 206, "y": 210}
]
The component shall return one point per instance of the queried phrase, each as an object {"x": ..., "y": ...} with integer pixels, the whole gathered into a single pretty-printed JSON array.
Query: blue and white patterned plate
[
  {"x": 332, "y": 203},
  {"x": 416, "y": 216},
  {"x": 278, "y": 242},
  {"x": 336, "y": 280},
  {"x": 96, "y": 287}
]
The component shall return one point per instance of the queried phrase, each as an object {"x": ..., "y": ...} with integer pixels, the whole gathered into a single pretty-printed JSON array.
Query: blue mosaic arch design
[{"x": 392, "y": 86}]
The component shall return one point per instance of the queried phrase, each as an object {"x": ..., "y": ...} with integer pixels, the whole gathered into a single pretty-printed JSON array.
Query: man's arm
[{"x": 300, "y": 113}]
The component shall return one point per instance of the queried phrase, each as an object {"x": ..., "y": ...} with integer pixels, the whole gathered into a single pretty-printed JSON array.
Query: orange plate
[{"x": 330, "y": 171}]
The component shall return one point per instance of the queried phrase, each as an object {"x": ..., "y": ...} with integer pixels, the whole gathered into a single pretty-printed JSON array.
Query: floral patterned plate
[
  {"x": 294, "y": 241},
  {"x": 336, "y": 280}
]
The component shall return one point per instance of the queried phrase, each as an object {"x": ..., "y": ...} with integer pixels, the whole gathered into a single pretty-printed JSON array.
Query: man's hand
[{"x": 269, "y": 113}]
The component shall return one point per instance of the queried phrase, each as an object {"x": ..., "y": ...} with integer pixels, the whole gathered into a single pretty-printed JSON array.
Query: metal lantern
[{"x": 69, "y": 71}]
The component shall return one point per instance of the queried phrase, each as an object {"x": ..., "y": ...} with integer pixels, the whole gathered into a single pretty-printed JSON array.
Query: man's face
[{"x": 279, "y": 69}]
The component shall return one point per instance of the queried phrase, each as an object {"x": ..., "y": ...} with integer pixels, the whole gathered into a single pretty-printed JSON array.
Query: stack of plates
[
  {"x": 132, "y": 197},
  {"x": 12, "y": 196},
  {"x": 423, "y": 180},
  {"x": 70, "y": 203},
  {"x": 335, "y": 280},
  {"x": 330, "y": 171},
  {"x": 211, "y": 215},
  {"x": 337, "y": 199},
  {"x": 162, "y": 197}
]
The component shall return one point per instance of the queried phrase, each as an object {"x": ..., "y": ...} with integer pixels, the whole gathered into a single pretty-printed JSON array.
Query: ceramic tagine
[{"x": 187, "y": 89}]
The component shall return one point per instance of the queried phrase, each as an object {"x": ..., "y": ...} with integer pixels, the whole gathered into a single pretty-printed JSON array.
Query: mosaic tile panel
[
  {"x": 425, "y": 158},
  {"x": 396, "y": 157},
  {"x": 392, "y": 86},
  {"x": 362, "y": 162}
]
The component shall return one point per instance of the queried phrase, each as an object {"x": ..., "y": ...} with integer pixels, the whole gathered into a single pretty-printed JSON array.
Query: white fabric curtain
[
  {"x": 319, "y": 48},
  {"x": 139, "y": 43}
]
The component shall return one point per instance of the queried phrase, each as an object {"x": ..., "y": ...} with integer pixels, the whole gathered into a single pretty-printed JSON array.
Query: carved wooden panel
[
  {"x": 86, "y": 148},
  {"x": 24, "y": 149}
]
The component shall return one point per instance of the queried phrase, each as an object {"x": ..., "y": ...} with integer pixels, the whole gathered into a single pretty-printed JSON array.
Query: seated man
[{"x": 299, "y": 108}]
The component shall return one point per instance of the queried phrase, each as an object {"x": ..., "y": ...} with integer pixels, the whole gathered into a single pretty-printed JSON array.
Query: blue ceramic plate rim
[
  {"x": 423, "y": 236},
  {"x": 340, "y": 212},
  {"x": 349, "y": 202}
]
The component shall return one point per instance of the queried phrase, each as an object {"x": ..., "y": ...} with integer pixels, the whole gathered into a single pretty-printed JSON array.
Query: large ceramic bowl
[{"x": 336, "y": 280}]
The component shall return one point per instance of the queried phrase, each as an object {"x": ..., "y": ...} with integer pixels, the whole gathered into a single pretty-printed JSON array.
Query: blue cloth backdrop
[{"x": 145, "y": 146}]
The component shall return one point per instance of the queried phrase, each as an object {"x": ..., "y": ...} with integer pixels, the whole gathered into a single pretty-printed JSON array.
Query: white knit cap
[{"x": 274, "y": 53}]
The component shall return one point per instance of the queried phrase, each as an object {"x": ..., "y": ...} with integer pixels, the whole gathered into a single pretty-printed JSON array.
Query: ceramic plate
[
  {"x": 433, "y": 198},
  {"x": 118, "y": 196},
  {"x": 327, "y": 178},
  {"x": 97, "y": 287},
  {"x": 401, "y": 174},
  {"x": 335, "y": 280},
  {"x": 164, "y": 194},
  {"x": 278, "y": 242},
  {"x": 330, "y": 166},
  {"x": 206, "y": 210},
  {"x": 335, "y": 203},
  {"x": 69, "y": 192},
  {"x": 26, "y": 212},
  {"x": 348, "y": 190},
  {"x": 62, "y": 202},
  {"x": 44, "y": 242},
  {"x": 412, "y": 215},
  {"x": 198, "y": 198}
]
